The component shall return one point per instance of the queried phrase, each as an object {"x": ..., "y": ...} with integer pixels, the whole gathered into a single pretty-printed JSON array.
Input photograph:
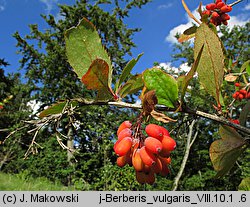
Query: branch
[
  {"x": 234, "y": 3},
  {"x": 185, "y": 158},
  {"x": 216, "y": 118}
]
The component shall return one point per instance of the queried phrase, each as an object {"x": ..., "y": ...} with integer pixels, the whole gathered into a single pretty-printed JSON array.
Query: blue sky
[{"x": 159, "y": 21}]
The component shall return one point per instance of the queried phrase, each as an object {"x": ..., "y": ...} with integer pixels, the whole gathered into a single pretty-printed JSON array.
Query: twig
[
  {"x": 185, "y": 158},
  {"x": 234, "y": 3}
]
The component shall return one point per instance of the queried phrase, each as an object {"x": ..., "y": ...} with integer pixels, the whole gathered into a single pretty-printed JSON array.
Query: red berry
[
  {"x": 154, "y": 130},
  {"x": 211, "y": 6},
  {"x": 125, "y": 133},
  {"x": 168, "y": 143},
  {"x": 225, "y": 17},
  {"x": 240, "y": 97},
  {"x": 165, "y": 162},
  {"x": 237, "y": 84},
  {"x": 226, "y": 9},
  {"x": 121, "y": 161},
  {"x": 121, "y": 147},
  {"x": 219, "y": 5},
  {"x": 124, "y": 125},
  {"x": 218, "y": 1},
  {"x": 153, "y": 145},
  {"x": 157, "y": 168},
  {"x": 147, "y": 157},
  {"x": 206, "y": 12},
  {"x": 235, "y": 95},
  {"x": 215, "y": 15},
  {"x": 137, "y": 161}
]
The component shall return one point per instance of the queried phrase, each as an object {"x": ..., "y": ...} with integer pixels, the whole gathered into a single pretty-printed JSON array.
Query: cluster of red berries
[
  {"x": 148, "y": 155},
  {"x": 217, "y": 12},
  {"x": 241, "y": 93}
]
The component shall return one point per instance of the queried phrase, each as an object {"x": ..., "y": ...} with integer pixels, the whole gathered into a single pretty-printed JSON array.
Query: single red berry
[
  {"x": 211, "y": 6},
  {"x": 237, "y": 84},
  {"x": 1, "y": 107},
  {"x": 153, "y": 145},
  {"x": 226, "y": 9},
  {"x": 206, "y": 12},
  {"x": 218, "y": 1},
  {"x": 219, "y": 5},
  {"x": 225, "y": 17},
  {"x": 215, "y": 15},
  {"x": 235, "y": 95},
  {"x": 240, "y": 97}
]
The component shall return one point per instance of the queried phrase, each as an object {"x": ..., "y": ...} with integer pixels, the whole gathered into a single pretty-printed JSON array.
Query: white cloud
[
  {"x": 239, "y": 20},
  {"x": 165, "y": 6},
  {"x": 171, "y": 69},
  {"x": 247, "y": 7},
  {"x": 49, "y": 4},
  {"x": 181, "y": 28}
]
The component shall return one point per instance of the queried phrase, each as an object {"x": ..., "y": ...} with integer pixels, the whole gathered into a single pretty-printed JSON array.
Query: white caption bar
[{"x": 126, "y": 199}]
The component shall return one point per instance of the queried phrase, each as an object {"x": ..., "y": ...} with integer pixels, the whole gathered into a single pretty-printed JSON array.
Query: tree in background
[{"x": 52, "y": 78}]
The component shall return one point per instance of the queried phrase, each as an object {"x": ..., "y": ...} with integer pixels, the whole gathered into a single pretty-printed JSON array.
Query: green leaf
[
  {"x": 165, "y": 86},
  {"x": 225, "y": 151},
  {"x": 57, "y": 108},
  {"x": 133, "y": 85},
  {"x": 185, "y": 81},
  {"x": 211, "y": 65},
  {"x": 96, "y": 78},
  {"x": 83, "y": 46},
  {"x": 126, "y": 71}
]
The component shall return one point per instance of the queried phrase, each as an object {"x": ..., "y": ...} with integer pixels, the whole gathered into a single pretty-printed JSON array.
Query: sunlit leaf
[
  {"x": 165, "y": 86},
  {"x": 225, "y": 151},
  {"x": 126, "y": 71},
  {"x": 57, "y": 108},
  {"x": 83, "y": 46},
  {"x": 211, "y": 65},
  {"x": 96, "y": 78},
  {"x": 187, "y": 78},
  {"x": 133, "y": 85}
]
